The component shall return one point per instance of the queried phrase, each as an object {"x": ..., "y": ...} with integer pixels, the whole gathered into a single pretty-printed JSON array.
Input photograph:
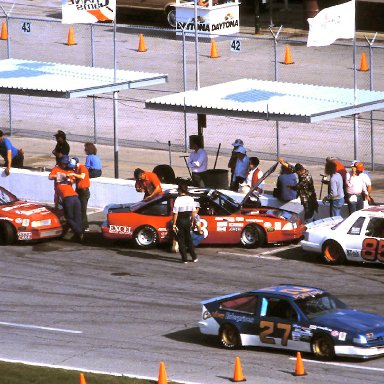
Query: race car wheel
[
  {"x": 170, "y": 14},
  {"x": 253, "y": 236},
  {"x": 323, "y": 347},
  {"x": 333, "y": 253},
  {"x": 229, "y": 337},
  {"x": 146, "y": 237},
  {"x": 7, "y": 233}
]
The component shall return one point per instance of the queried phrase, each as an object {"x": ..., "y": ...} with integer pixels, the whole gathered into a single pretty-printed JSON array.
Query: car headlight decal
[{"x": 41, "y": 223}]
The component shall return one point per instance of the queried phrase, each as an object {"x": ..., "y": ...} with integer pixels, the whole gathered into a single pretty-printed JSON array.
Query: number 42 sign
[{"x": 235, "y": 45}]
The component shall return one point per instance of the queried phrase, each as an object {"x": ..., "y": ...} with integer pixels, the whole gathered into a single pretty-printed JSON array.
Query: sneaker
[
  {"x": 86, "y": 230},
  {"x": 195, "y": 260},
  {"x": 185, "y": 262}
]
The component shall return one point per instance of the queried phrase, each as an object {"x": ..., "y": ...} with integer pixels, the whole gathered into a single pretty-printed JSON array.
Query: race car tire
[
  {"x": 253, "y": 236},
  {"x": 333, "y": 253},
  {"x": 322, "y": 347},
  {"x": 229, "y": 337},
  {"x": 146, "y": 237},
  {"x": 170, "y": 14},
  {"x": 7, "y": 233}
]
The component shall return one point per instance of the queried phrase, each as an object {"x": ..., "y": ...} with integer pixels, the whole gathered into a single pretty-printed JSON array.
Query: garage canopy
[
  {"x": 35, "y": 78},
  {"x": 271, "y": 100}
]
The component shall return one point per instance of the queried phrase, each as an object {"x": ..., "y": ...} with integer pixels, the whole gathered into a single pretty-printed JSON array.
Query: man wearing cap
[
  {"x": 147, "y": 182},
  {"x": 12, "y": 156},
  {"x": 197, "y": 161},
  {"x": 70, "y": 199},
  {"x": 62, "y": 147},
  {"x": 232, "y": 161},
  {"x": 367, "y": 199},
  {"x": 241, "y": 168},
  {"x": 83, "y": 184},
  {"x": 305, "y": 188}
]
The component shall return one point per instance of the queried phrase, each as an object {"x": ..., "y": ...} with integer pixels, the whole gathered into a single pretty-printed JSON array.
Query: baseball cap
[
  {"x": 73, "y": 162},
  {"x": 64, "y": 160},
  {"x": 240, "y": 149},
  {"x": 238, "y": 142},
  {"x": 61, "y": 134},
  {"x": 360, "y": 167}
]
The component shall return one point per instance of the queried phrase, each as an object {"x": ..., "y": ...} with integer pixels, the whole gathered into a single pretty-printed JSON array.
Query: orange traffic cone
[
  {"x": 4, "y": 31},
  {"x": 82, "y": 379},
  {"x": 71, "y": 37},
  {"x": 142, "y": 47},
  {"x": 287, "y": 56},
  {"x": 214, "y": 53},
  {"x": 162, "y": 375},
  {"x": 299, "y": 370},
  {"x": 363, "y": 63},
  {"x": 238, "y": 373}
]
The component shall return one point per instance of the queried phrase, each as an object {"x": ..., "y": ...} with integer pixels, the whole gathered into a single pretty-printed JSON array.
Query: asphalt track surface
[{"x": 104, "y": 306}]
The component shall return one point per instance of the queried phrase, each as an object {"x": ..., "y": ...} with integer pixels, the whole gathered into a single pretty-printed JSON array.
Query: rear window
[{"x": 247, "y": 304}]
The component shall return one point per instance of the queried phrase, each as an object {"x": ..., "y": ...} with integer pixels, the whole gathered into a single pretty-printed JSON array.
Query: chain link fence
[{"x": 260, "y": 57}]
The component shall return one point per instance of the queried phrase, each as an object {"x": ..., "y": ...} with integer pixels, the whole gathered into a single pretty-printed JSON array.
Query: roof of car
[
  {"x": 294, "y": 291},
  {"x": 379, "y": 209}
]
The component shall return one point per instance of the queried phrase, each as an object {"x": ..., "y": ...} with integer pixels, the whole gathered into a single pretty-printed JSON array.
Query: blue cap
[{"x": 64, "y": 160}]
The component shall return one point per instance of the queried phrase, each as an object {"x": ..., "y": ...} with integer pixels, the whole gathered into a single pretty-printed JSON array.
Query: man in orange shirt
[
  {"x": 83, "y": 183},
  {"x": 147, "y": 182},
  {"x": 70, "y": 199}
]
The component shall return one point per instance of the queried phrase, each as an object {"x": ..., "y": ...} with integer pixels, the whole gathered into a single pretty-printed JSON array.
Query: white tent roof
[
  {"x": 271, "y": 100},
  {"x": 43, "y": 79}
]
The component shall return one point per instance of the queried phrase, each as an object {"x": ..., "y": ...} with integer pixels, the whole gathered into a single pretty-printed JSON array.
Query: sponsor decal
[
  {"x": 239, "y": 318},
  {"x": 335, "y": 333},
  {"x": 270, "y": 229},
  {"x": 229, "y": 219},
  {"x": 222, "y": 224},
  {"x": 353, "y": 253},
  {"x": 24, "y": 235},
  {"x": 342, "y": 336},
  {"x": 278, "y": 226},
  {"x": 301, "y": 333},
  {"x": 239, "y": 218},
  {"x": 238, "y": 225},
  {"x": 229, "y": 22},
  {"x": 221, "y": 229},
  {"x": 319, "y": 327},
  {"x": 217, "y": 315},
  {"x": 254, "y": 221},
  {"x": 18, "y": 220},
  {"x": 120, "y": 229},
  {"x": 206, "y": 315},
  {"x": 235, "y": 229},
  {"x": 267, "y": 224}
]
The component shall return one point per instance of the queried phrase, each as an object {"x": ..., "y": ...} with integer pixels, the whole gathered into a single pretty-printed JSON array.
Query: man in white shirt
[{"x": 197, "y": 161}]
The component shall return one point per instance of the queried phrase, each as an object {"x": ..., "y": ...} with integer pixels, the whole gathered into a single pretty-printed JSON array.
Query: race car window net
[
  {"x": 319, "y": 304},
  {"x": 375, "y": 227},
  {"x": 274, "y": 307}
]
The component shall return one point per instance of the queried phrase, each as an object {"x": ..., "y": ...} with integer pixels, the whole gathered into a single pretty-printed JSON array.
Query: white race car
[{"x": 360, "y": 237}]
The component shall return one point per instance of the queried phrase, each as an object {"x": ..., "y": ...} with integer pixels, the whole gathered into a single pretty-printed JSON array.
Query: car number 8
[{"x": 373, "y": 250}]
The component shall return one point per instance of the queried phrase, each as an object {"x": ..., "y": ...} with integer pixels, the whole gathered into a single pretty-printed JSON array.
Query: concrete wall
[{"x": 35, "y": 186}]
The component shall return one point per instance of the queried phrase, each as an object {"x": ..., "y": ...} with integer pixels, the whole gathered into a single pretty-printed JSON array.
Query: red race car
[
  {"x": 224, "y": 220},
  {"x": 22, "y": 220}
]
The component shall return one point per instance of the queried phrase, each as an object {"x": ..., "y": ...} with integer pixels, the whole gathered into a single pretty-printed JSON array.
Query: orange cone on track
[
  {"x": 299, "y": 369},
  {"x": 142, "y": 47},
  {"x": 162, "y": 375},
  {"x": 71, "y": 37},
  {"x": 4, "y": 31},
  {"x": 238, "y": 373},
  {"x": 214, "y": 52},
  {"x": 287, "y": 56},
  {"x": 363, "y": 63},
  {"x": 82, "y": 379}
]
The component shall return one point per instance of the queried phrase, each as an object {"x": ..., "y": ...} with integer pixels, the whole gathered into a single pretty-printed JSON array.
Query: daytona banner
[{"x": 87, "y": 11}]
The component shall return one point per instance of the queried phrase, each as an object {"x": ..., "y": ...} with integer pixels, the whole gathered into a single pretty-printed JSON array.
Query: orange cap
[{"x": 360, "y": 167}]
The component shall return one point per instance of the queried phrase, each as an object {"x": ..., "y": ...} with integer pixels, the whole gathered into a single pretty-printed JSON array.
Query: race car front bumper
[{"x": 359, "y": 352}]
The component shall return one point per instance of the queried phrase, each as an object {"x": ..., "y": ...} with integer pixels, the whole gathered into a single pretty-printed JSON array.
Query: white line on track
[
  {"x": 342, "y": 365},
  {"x": 248, "y": 255},
  {"x": 29, "y": 326}
]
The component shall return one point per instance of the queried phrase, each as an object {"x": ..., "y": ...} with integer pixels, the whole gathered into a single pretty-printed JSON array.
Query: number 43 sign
[{"x": 235, "y": 45}]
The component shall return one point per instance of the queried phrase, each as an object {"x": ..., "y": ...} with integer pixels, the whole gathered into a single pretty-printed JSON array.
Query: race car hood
[
  {"x": 253, "y": 190},
  {"x": 24, "y": 208},
  {"x": 351, "y": 320}
]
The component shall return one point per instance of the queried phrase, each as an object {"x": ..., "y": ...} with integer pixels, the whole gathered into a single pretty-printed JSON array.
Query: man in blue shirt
[{"x": 12, "y": 156}]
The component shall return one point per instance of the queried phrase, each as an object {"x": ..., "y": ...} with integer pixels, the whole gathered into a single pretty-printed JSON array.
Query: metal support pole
[
  {"x": 93, "y": 97},
  {"x": 257, "y": 17},
  {"x": 197, "y": 49},
  {"x": 115, "y": 107},
  {"x": 185, "y": 88}
]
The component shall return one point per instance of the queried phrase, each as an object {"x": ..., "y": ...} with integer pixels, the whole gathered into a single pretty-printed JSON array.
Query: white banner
[
  {"x": 87, "y": 11},
  {"x": 330, "y": 24}
]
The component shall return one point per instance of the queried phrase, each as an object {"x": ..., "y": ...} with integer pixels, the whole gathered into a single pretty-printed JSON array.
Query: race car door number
[
  {"x": 373, "y": 250},
  {"x": 268, "y": 328}
]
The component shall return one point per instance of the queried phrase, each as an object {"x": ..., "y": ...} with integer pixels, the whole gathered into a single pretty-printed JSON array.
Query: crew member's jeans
[
  {"x": 336, "y": 206},
  {"x": 72, "y": 213},
  {"x": 84, "y": 196},
  {"x": 355, "y": 202}
]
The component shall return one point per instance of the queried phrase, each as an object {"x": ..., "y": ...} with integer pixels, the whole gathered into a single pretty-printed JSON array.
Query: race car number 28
[{"x": 373, "y": 250}]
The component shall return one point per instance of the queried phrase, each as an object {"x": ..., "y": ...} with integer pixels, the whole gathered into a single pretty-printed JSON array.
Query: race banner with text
[{"x": 87, "y": 11}]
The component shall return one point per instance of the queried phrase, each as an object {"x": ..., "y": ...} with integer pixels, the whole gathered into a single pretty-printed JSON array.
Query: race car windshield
[{"x": 313, "y": 306}]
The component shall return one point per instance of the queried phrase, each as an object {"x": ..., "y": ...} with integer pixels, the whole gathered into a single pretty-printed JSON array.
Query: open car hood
[{"x": 253, "y": 191}]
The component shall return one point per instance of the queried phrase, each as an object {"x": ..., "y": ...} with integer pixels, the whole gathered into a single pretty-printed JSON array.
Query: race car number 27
[{"x": 373, "y": 250}]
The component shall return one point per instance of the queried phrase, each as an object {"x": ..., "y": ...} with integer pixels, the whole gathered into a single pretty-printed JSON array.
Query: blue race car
[{"x": 293, "y": 317}]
